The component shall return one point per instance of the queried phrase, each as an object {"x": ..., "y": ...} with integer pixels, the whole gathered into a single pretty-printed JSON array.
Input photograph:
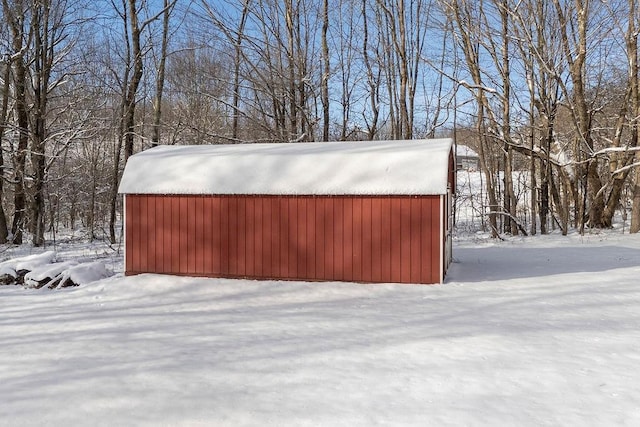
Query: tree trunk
[
  {"x": 19, "y": 159},
  {"x": 157, "y": 102},
  {"x": 4, "y": 232},
  {"x": 325, "y": 72}
]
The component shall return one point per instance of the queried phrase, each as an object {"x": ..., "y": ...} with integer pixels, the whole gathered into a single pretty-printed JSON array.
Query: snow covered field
[{"x": 528, "y": 332}]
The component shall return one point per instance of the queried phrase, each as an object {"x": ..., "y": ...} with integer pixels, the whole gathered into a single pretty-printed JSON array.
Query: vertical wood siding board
[
  {"x": 205, "y": 228},
  {"x": 321, "y": 233},
  {"x": 429, "y": 242},
  {"x": 379, "y": 250},
  {"x": 159, "y": 226},
  {"x": 149, "y": 234},
  {"x": 274, "y": 206},
  {"x": 250, "y": 241},
  {"x": 269, "y": 238},
  {"x": 441, "y": 210},
  {"x": 283, "y": 204},
  {"x": 191, "y": 222},
  {"x": 303, "y": 214},
  {"x": 157, "y": 240},
  {"x": 206, "y": 236},
  {"x": 376, "y": 228},
  {"x": 336, "y": 240},
  {"x": 294, "y": 221},
  {"x": 141, "y": 236},
  {"x": 277, "y": 238},
  {"x": 328, "y": 236},
  {"x": 424, "y": 242},
  {"x": 184, "y": 235},
  {"x": 175, "y": 234},
  {"x": 128, "y": 230},
  {"x": 260, "y": 237},
  {"x": 273, "y": 240},
  {"x": 233, "y": 232},
  {"x": 313, "y": 237},
  {"x": 290, "y": 239},
  {"x": 251, "y": 263},
  {"x": 241, "y": 236},
  {"x": 233, "y": 235},
  {"x": 216, "y": 241},
  {"x": 320, "y": 237},
  {"x": 436, "y": 239},
  {"x": 365, "y": 253},
  {"x": 266, "y": 246},
  {"x": 339, "y": 249},
  {"x": 136, "y": 223},
  {"x": 283, "y": 236},
  {"x": 347, "y": 236},
  {"x": 406, "y": 239},
  {"x": 200, "y": 248},
  {"x": 415, "y": 230},
  {"x": 308, "y": 254},
  {"x": 262, "y": 241},
  {"x": 385, "y": 241},
  {"x": 278, "y": 231},
  {"x": 166, "y": 243},
  {"x": 224, "y": 236},
  {"x": 185, "y": 253},
  {"x": 396, "y": 240},
  {"x": 292, "y": 258},
  {"x": 356, "y": 238},
  {"x": 196, "y": 232},
  {"x": 133, "y": 229},
  {"x": 316, "y": 239},
  {"x": 442, "y": 240},
  {"x": 129, "y": 201},
  {"x": 144, "y": 234},
  {"x": 255, "y": 253},
  {"x": 299, "y": 238}
]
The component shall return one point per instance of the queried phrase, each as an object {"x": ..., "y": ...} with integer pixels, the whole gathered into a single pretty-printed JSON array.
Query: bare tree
[
  {"x": 160, "y": 71},
  {"x": 4, "y": 110},
  {"x": 634, "y": 77},
  {"x": 14, "y": 14},
  {"x": 134, "y": 22}
]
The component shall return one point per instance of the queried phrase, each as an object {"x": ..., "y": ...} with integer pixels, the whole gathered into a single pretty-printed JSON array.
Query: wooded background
[{"x": 548, "y": 88}]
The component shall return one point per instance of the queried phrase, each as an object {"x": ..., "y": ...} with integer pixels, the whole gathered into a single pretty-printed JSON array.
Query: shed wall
[{"x": 354, "y": 238}]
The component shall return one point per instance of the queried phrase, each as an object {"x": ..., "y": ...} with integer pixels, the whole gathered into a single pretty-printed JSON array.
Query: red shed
[{"x": 337, "y": 211}]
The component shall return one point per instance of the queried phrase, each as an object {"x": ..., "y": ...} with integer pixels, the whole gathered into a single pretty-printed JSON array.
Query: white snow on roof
[
  {"x": 464, "y": 151},
  {"x": 415, "y": 167}
]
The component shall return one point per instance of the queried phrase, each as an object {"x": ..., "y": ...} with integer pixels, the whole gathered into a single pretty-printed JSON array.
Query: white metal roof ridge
[{"x": 414, "y": 167}]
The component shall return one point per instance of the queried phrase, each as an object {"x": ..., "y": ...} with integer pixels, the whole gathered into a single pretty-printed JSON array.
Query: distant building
[{"x": 466, "y": 158}]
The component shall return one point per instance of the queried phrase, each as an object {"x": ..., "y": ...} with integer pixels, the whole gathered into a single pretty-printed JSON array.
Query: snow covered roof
[
  {"x": 415, "y": 167},
  {"x": 464, "y": 151}
]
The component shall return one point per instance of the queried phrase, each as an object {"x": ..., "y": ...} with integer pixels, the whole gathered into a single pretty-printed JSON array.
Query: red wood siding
[{"x": 354, "y": 238}]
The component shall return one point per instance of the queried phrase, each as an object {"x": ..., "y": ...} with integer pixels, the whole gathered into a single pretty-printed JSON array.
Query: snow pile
[
  {"x": 417, "y": 167},
  {"x": 12, "y": 269},
  {"x": 38, "y": 270}
]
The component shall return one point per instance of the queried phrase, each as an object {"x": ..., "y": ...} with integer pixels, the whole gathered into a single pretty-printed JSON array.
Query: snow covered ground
[{"x": 540, "y": 331}]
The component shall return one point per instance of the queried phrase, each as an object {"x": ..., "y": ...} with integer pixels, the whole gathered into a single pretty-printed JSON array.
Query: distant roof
[
  {"x": 463, "y": 150},
  {"x": 415, "y": 167}
]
